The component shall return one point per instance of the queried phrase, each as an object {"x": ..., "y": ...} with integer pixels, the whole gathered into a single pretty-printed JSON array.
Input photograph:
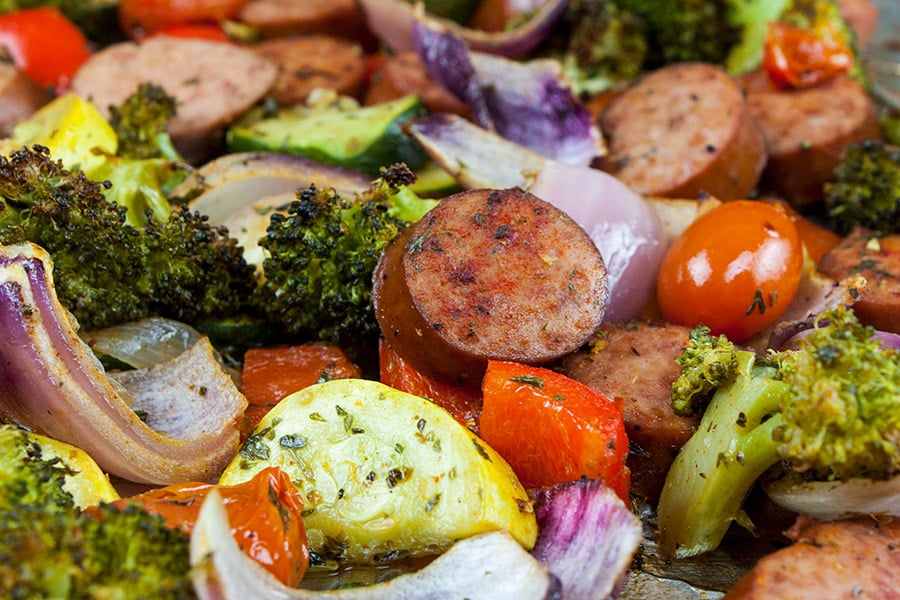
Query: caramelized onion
[{"x": 52, "y": 383}]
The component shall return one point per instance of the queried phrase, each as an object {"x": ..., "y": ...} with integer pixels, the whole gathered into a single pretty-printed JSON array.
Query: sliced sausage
[
  {"x": 283, "y": 18},
  {"x": 213, "y": 83},
  {"x": 403, "y": 74},
  {"x": 877, "y": 258},
  {"x": 684, "y": 131},
  {"x": 857, "y": 558},
  {"x": 489, "y": 274},
  {"x": 20, "y": 97},
  {"x": 314, "y": 61},
  {"x": 806, "y": 130},
  {"x": 635, "y": 361}
]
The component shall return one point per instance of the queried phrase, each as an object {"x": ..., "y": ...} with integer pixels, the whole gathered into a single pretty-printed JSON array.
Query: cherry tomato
[
  {"x": 794, "y": 57},
  {"x": 139, "y": 18},
  {"x": 270, "y": 374},
  {"x": 552, "y": 429},
  {"x": 265, "y": 515},
  {"x": 735, "y": 269},
  {"x": 463, "y": 403},
  {"x": 44, "y": 45}
]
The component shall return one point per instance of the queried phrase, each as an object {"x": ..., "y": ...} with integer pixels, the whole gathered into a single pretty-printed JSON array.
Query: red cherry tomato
[
  {"x": 139, "y": 18},
  {"x": 552, "y": 429},
  {"x": 794, "y": 57},
  {"x": 45, "y": 45},
  {"x": 463, "y": 403},
  {"x": 265, "y": 515},
  {"x": 735, "y": 269}
]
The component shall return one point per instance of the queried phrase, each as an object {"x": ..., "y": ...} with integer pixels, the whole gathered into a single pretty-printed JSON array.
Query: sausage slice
[
  {"x": 313, "y": 61},
  {"x": 807, "y": 130},
  {"x": 213, "y": 83},
  {"x": 635, "y": 361},
  {"x": 489, "y": 274},
  {"x": 684, "y": 131},
  {"x": 877, "y": 258}
]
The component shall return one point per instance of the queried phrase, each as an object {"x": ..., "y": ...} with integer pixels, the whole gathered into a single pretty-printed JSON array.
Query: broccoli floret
[
  {"x": 28, "y": 477},
  {"x": 108, "y": 272},
  {"x": 706, "y": 364},
  {"x": 684, "y": 30},
  {"x": 603, "y": 45},
  {"x": 103, "y": 552},
  {"x": 198, "y": 270},
  {"x": 321, "y": 256},
  {"x": 50, "y": 547},
  {"x": 829, "y": 408},
  {"x": 865, "y": 189},
  {"x": 140, "y": 124}
]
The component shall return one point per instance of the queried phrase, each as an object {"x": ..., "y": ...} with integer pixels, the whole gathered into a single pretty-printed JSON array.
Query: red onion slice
[
  {"x": 628, "y": 232},
  {"x": 525, "y": 102},
  {"x": 50, "y": 382},
  {"x": 487, "y": 566},
  {"x": 588, "y": 538},
  {"x": 392, "y": 22}
]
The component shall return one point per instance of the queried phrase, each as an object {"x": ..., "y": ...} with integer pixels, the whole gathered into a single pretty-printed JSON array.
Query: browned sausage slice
[
  {"x": 684, "y": 131},
  {"x": 806, "y": 130},
  {"x": 489, "y": 274},
  {"x": 314, "y": 61},
  {"x": 858, "y": 558},
  {"x": 283, "y": 18},
  {"x": 877, "y": 258},
  {"x": 213, "y": 82},
  {"x": 403, "y": 74},
  {"x": 20, "y": 97},
  {"x": 635, "y": 361}
]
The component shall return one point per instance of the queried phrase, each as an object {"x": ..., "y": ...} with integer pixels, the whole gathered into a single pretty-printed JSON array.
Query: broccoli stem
[{"x": 717, "y": 467}]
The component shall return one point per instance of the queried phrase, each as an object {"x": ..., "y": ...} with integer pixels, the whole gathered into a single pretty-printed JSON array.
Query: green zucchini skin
[{"x": 363, "y": 138}]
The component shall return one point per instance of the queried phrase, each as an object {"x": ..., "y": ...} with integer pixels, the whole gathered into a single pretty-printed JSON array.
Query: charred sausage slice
[
  {"x": 807, "y": 130},
  {"x": 635, "y": 361},
  {"x": 489, "y": 274},
  {"x": 877, "y": 258},
  {"x": 314, "y": 61},
  {"x": 684, "y": 131},
  {"x": 213, "y": 83}
]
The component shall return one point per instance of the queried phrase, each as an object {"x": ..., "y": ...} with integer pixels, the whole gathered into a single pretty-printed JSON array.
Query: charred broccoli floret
[
  {"x": 829, "y": 408},
  {"x": 140, "y": 124},
  {"x": 107, "y": 271},
  {"x": 604, "y": 45},
  {"x": 706, "y": 364},
  {"x": 103, "y": 552},
  {"x": 321, "y": 256},
  {"x": 60, "y": 536},
  {"x": 865, "y": 189}
]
